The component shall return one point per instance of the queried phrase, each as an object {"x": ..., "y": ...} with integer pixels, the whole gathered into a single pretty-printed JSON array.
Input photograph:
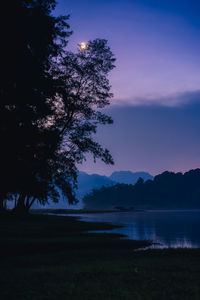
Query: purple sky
[{"x": 156, "y": 82}]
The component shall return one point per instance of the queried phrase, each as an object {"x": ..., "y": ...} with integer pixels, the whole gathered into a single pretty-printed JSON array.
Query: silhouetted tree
[
  {"x": 48, "y": 104},
  {"x": 83, "y": 89},
  {"x": 32, "y": 37}
]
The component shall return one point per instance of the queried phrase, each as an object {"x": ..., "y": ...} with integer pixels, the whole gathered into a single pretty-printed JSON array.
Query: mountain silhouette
[
  {"x": 129, "y": 177},
  {"x": 88, "y": 182},
  {"x": 168, "y": 190}
]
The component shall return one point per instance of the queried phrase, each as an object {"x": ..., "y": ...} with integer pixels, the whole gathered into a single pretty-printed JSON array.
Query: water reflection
[
  {"x": 185, "y": 243},
  {"x": 165, "y": 228}
]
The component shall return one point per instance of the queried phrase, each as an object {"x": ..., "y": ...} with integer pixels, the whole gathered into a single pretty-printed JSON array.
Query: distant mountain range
[
  {"x": 129, "y": 177},
  {"x": 168, "y": 190},
  {"x": 88, "y": 182}
]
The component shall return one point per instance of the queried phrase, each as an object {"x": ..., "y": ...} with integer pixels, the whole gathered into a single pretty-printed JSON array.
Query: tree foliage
[
  {"x": 83, "y": 89},
  {"x": 49, "y": 104},
  {"x": 167, "y": 190}
]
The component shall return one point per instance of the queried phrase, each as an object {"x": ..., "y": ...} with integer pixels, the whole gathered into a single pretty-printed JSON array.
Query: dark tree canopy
[
  {"x": 49, "y": 104},
  {"x": 167, "y": 191}
]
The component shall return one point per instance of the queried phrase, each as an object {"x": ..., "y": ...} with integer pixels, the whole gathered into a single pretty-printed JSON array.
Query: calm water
[{"x": 168, "y": 228}]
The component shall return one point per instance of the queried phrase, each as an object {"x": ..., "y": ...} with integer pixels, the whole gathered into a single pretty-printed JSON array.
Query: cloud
[
  {"x": 174, "y": 100},
  {"x": 151, "y": 138}
]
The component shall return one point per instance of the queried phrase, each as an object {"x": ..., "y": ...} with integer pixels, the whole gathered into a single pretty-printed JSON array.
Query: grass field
[{"x": 51, "y": 257}]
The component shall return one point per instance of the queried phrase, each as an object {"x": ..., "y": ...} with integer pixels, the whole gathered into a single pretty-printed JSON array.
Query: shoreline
[
  {"x": 99, "y": 211},
  {"x": 48, "y": 256},
  {"x": 79, "y": 211}
]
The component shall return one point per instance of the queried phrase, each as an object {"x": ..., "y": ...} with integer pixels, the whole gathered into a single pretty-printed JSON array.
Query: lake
[{"x": 168, "y": 228}]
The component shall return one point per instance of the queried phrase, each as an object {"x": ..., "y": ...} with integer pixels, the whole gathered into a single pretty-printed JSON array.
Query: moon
[{"x": 83, "y": 46}]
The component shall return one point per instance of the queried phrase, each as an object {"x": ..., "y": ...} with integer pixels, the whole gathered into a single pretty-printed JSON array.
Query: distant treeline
[{"x": 166, "y": 191}]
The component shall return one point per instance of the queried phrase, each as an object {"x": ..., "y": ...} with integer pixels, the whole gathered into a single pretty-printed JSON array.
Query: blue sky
[{"x": 156, "y": 82}]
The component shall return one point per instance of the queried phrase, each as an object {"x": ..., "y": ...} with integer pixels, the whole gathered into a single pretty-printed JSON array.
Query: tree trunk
[
  {"x": 1, "y": 205},
  {"x": 31, "y": 203},
  {"x": 27, "y": 201},
  {"x": 20, "y": 208},
  {"x": 15, "y": 201},
  {"x": 5, "y": 204},
  {"x": 23, "y": 205}
]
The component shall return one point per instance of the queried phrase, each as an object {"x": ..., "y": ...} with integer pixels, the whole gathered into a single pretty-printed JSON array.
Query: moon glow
[{"x": 83, "y": 46}]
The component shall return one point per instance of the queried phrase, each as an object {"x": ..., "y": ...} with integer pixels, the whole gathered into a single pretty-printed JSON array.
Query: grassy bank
[{"x": 50, "y": 257}]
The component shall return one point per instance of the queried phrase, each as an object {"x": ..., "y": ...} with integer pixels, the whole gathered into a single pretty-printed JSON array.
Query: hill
[
  {"x": 166, "y": 191},
  {"x": 88, "y": 182},
  {"x": 129, "y": 177}
]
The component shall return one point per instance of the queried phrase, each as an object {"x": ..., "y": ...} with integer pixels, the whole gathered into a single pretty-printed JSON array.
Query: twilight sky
[{"x": 156, "y": 83}]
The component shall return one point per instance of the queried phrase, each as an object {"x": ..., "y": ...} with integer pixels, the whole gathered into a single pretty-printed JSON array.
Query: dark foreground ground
[{"x": 50, "y": 257}]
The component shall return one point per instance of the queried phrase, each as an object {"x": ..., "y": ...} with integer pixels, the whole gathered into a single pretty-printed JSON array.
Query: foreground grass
[{"x": 50, "y": 257}]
